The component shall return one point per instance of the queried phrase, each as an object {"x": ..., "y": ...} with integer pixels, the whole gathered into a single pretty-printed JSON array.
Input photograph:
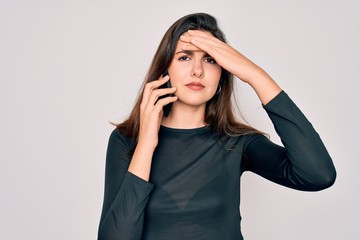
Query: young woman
[{"x": 178, "y": 177}]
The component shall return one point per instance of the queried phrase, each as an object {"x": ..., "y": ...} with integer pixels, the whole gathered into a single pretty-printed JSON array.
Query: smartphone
[{"x": 167, "y": 108}]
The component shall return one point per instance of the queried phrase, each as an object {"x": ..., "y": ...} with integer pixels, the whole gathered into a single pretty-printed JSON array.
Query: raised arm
[
  {"x": 127, "y": 189},
  {"x": 150, "y": 119},
  {"x": 304, "y": 163}
]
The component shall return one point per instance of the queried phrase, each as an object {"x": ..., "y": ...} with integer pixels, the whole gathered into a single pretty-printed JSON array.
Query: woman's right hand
[{"x": 151, "y": 110}]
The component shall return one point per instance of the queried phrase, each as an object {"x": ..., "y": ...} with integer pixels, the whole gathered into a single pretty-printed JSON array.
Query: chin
[
  {"x": 194, "y": 101},
  {"x": 194, "y": 98}
]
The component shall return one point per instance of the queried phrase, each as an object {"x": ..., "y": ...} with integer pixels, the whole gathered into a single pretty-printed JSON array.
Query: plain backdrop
[{"x": 68, "y": 68}]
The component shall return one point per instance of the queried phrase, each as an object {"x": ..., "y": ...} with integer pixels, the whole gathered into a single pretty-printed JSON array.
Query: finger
[
  {"x": 206, "y": 44},
  {"x": 219, "y": 50},
  {"x": 162, "y": 102},
  {"x": 157, "y": 83},
  {"x": 197, "y": 34},
  {"x": 150, "y": 86},
  {"x": 157, "y": 93},
  {"x": 156, "y": 109},
  {"x": 190, "y": 47},
  {"x": 204, "y": 35},
  {"x": 211, "y": 41},
  {"x": 213, "y": 49}
]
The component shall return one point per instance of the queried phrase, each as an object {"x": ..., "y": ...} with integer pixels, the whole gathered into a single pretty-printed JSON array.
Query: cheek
[
  {"x": 176, "y": 77},
  {"x": 177, "y": 74},
  {"x": 214, "y": 74}
]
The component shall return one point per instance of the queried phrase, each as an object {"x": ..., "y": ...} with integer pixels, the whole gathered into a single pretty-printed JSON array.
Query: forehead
[{"x": 188, "y": 46}]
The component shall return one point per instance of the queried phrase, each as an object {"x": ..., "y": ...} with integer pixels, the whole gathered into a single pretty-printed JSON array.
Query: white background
[{"x": 69, "y": 67}]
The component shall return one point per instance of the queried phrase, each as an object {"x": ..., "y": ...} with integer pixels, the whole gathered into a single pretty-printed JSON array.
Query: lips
[{"x": 195, "y": 86}]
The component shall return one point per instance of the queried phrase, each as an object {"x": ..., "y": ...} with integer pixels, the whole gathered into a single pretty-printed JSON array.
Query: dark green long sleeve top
[{"x": 193, "y": 191}]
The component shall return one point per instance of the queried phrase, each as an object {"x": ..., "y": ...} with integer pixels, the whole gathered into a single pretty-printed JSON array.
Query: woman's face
[{"x": 194, "y": 73}]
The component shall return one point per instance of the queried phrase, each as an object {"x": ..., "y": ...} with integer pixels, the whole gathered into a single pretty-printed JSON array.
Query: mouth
[{"x": 195, "y": 86}]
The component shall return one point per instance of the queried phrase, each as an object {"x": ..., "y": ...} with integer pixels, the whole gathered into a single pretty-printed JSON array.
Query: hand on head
[{"x": 226, "y": 56}]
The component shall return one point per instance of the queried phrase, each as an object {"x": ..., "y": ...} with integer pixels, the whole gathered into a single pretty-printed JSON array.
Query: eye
[
  {"x": 184, "y": 58},
  {"x": 210, "y": 60}
]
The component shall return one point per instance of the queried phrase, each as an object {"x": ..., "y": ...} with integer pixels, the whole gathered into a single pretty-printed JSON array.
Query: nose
[{"x": 197, "y": 69}]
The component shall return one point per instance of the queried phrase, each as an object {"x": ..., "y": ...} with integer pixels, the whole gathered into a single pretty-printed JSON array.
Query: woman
[{"x": 178, "y": 177}]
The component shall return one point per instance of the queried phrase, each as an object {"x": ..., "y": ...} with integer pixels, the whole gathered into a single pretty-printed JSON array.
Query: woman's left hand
[
  {"x": 233, "y": 61},
  {"x": 225, "y": 55}
]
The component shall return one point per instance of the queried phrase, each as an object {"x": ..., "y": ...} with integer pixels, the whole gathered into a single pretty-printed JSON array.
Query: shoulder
[
  {"x": 251, "y": 140},
  {"x": 118, "y": 138},
  {"x": 240, "y": 142}
]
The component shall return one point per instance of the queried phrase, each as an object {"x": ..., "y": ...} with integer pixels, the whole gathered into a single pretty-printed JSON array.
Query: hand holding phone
[{"x": 167, "y": 107}]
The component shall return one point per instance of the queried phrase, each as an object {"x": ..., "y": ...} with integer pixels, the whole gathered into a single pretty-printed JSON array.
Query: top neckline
[{"x": 185, "y": 130}]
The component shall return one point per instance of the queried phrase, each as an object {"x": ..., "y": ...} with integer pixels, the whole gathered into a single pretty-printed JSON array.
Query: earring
[{"x": 218, "y": 90}]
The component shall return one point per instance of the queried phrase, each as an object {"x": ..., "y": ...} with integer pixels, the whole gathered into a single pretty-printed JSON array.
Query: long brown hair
[{"x": 219, "y": 113}]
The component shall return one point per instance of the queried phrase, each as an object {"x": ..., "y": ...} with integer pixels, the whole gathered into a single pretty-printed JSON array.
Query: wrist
[
  {"x": 253, "y": 75},
  {"x": 146, "y": 144}
]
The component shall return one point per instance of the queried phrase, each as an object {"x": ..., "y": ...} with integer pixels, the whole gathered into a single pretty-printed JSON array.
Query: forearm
[
  {"x": 124, "y": 220},
  {"x": 140, "y": 164},
  {"x": 151, "y": 112},
  {"x": 264, "y": 86}
]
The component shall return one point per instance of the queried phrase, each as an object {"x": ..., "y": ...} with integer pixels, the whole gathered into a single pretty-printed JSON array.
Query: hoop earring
[{"x": 218, "y": 89}]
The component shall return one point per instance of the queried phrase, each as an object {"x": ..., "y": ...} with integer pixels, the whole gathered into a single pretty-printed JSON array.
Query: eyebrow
[{"x": 191, "y": 52}]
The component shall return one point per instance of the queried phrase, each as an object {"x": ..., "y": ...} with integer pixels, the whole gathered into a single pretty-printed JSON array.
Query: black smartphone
[{"x": 167, "y": 108}]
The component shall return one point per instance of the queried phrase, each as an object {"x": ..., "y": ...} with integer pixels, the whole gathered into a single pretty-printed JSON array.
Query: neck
[{"x": 185, "y": 116}]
